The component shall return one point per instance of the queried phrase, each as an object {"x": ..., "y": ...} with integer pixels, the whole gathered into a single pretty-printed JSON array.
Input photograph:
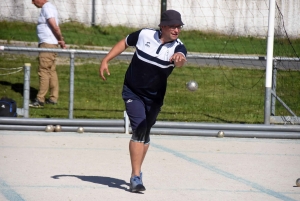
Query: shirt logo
[
  {"x": 147, "y": 44},
  {"x": 129, "y": 101},
  {"x": 3, "y": 106}
]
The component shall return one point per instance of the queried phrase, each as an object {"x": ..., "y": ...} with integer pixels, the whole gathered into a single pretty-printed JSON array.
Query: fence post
[
  {"x": 269, "y": 65},
  {"x": 163, "y": 7},
  {"x": 93, "y": 12},
  {"x": 126, "y": 118},
  {"x": 26, "y": 90},
  {"x": 273, "y": 99},
  {"x": 71, "y": 100}
]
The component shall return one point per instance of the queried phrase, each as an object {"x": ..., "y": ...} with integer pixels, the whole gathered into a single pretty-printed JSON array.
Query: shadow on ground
[
  {"x": 108, "y": 181},
  {"x": 19, "y": 87}
]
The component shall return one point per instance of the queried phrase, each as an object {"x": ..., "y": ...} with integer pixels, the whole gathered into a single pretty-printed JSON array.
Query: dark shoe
[
  {"x": 136, "y": 184},
  {"x": 36, "y": 103},
  {"x": 49, "y": 101}
]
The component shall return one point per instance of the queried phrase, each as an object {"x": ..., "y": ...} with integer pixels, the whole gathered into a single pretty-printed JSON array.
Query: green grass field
[
  {"x": 216, "y": 99},
  {"x": 225, "y": 95}
]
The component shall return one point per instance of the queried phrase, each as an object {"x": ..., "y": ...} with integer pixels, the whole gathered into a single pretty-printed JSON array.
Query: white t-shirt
[{"x": 44, "y": 32}]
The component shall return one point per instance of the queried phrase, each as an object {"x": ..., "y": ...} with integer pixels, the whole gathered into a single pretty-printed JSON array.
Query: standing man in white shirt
[{"x": 49, "y": 36}]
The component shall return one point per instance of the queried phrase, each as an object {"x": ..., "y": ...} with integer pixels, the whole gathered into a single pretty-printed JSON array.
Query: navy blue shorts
[{"x": 142, "y": 116}]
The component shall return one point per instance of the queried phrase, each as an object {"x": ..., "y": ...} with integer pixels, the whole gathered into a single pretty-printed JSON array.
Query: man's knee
[{"x": 141, "y": 134}]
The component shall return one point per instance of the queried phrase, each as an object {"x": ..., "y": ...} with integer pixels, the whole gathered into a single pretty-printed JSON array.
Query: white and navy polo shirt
[{"x": 150, "y": 67}]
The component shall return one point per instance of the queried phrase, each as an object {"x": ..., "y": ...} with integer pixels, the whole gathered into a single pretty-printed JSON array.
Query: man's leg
[
  {"x": 135, "y": 109},
  {"x": 46, "y": 62},
  {"x": 54, "y": 86},
  {"x": 137, "y": 115},
  {"x": 146, "y": 146},
  {"x": 53, "y": 78},
  {"x": 142, "y": 118},
  {"x": 137, "y": 154},
  {"x": 43, "y": 73}
]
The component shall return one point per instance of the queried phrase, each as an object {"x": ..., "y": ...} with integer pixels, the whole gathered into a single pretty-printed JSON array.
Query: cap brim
[{"x": 172, "y": 22}]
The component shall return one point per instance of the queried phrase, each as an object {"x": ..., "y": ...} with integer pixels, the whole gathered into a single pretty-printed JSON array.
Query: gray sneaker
[
  {"x": 49, "y": 101},
  {"x": 136, "y": 184},
  {"x": 36, "y": 103}
]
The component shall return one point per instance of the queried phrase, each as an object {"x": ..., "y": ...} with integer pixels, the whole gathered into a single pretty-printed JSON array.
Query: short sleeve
[
  {"x": 131, "y": 39},
  {"x": 181, "y": 48},
  {"x": 48, "y": 12}
]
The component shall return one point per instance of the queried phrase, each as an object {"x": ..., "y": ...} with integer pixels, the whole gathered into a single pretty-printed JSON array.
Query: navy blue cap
[{"x": 170, "y": 17}]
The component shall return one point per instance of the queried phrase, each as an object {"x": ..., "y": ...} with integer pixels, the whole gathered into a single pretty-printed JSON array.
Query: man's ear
[{"x": 162, "y": 27}]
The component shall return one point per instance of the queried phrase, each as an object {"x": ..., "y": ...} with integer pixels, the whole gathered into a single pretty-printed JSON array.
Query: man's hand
[
  {"x": 103, "y": 67},
  {"x": 178, "y": 58},
  {"x": 62, "y": 44}
]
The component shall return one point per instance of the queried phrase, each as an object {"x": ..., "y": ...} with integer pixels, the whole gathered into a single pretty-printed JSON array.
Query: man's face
[
  {"x": 39, "y": 3},
  {"x": 171, "y": 32}
]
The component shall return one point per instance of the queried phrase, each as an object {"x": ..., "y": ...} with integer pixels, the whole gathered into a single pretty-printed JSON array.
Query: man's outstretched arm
[{"x": 115, "y": 51}]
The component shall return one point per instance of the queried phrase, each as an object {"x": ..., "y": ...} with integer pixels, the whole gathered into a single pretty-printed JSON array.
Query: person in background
[
  {"x": 157, "y": 53},
  {"x": 49, "y": 36}
]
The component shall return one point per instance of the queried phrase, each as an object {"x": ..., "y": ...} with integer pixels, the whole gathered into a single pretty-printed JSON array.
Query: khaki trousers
[{"x": 47, "y": 74}]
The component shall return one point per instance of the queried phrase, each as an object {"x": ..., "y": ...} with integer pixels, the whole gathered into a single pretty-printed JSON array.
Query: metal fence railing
[{"x": 123, "y": 126}]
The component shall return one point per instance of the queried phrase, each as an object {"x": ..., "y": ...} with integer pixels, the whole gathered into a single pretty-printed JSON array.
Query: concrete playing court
[{"x": 67, "y": 166}]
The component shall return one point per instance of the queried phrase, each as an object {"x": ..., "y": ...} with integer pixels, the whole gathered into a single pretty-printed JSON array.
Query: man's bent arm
[
  {"x": 115, "y": 51},
  {"x": 56, "y": 31}
]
